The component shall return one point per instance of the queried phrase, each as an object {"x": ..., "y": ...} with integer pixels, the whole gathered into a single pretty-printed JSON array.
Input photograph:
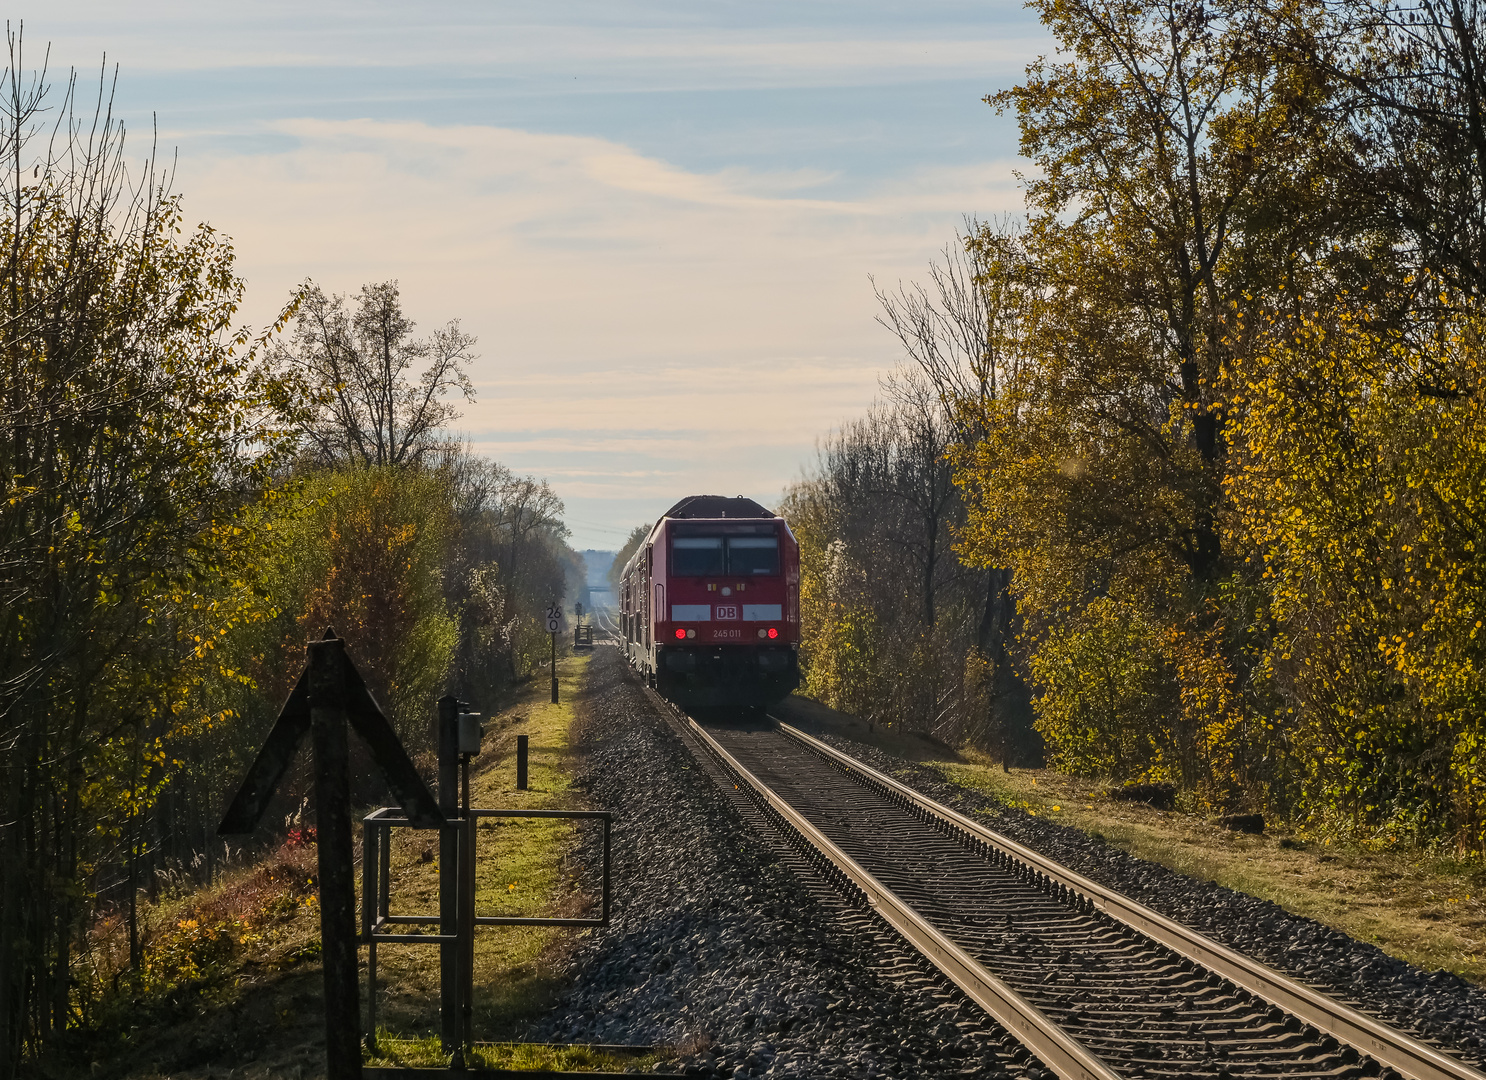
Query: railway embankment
[
  {"x": 723, "y": 954},
  {"x": 1438, "y": 1005}
]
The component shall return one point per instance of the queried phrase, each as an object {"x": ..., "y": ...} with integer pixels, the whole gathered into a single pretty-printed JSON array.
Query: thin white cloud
[
  {"x": 581, "y": 247},
  {"x": 645, "y": 331}
]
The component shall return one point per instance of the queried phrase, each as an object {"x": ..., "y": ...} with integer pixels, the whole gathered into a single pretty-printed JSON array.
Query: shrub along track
[{"x": 1038, "y": 948}]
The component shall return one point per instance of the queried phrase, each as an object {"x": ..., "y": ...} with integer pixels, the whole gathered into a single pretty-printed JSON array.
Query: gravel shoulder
[{"x": 719, "y": 952}]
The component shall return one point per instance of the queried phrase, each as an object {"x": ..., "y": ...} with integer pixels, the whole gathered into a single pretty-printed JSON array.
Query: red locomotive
[{"x": 710, "y": 605}]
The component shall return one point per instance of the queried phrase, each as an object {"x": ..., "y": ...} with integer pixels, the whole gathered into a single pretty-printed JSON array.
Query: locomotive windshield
[
  {"x": 753, "y": 555},
  {"x": 714, "y": 556},
  {"x": 696, "y": 556}
]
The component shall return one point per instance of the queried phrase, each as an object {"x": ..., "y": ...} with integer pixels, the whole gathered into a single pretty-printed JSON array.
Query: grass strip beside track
[
  {"x": 425, "y": 1053},
  {"x": 1421, "y": 906},
  {"x": 232, "y": 980},
  {"x": 521, "y": 871}
]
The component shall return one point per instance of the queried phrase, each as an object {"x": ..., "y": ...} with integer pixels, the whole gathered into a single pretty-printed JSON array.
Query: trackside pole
[
  {"x": 554, "y": 624},
  {"x": 448, "y": 879},
  {"x": 466, "y": 912},
  {"x": 327, "y": 700},
  {"x": 369, "y": 911}
]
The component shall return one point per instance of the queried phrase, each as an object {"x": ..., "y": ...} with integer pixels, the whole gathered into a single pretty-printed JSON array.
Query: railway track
[
  {"x": 608, "y": 625},
  {"x": 1095, "y": 985}
]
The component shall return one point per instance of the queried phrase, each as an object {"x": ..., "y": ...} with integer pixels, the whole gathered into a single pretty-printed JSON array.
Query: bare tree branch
[{"x": 357, "y": 361}]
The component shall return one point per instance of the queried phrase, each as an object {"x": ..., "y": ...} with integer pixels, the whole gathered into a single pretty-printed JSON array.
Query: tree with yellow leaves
[
  {"x": 135, "y": 427},
  {"x": 1182, "y": 179},
  {"x": 1370, "y": 539}
]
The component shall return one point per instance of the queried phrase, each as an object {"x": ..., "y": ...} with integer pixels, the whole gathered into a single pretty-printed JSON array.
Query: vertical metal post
[
  {"x": 554, "y": 667},
  {"x": 467, "y": 916},
  {"x": 327, "y": 663},
  {"x": 448, "y": 873},
  {"x": 370, "y": 895},
  {"x": 606, "y": 870},
  {"x": 521, "y": 750},
  {"x": 385, "y": 872}
]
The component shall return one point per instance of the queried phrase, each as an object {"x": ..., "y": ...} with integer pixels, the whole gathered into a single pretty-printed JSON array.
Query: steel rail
[
  {"x": 1387, "y": 1045},
  {"x": 1069, "y": 1059}
]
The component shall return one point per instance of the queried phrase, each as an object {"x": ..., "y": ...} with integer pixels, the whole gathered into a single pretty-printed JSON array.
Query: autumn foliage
[
  {"x": 1234, "y": 463},
  {"x": 180, "y": 513},
  {"x": 1215, "y": 408}
]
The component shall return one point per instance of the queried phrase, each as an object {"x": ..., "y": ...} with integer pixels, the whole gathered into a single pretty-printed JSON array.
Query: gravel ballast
[{"x": 719, "y": 951}]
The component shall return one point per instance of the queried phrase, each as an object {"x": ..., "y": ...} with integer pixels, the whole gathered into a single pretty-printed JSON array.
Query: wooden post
[
  {"x": 328, "y": 719},
  {"x": 448, "y": 877},
  {"x": 554, "y": 667},
  {"x": 521, "y": 752},
  {"x": 330, "y": 694}
]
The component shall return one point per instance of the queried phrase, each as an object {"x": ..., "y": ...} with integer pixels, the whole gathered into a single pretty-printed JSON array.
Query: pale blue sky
[{"x": 658, "y": 218}]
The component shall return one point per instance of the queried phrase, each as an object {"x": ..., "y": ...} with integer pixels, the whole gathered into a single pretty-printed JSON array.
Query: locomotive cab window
[
  {"x": 749, "y": 555},
  {"x": 696, "y": 556}
]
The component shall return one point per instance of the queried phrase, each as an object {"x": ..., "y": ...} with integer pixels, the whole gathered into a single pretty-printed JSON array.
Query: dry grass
[
  {"x": 258, "y": 917},
  {"x": 520, "y": 871},
  {"x": 223, "y": 965},
  {"x": 425, "y": 1053}
]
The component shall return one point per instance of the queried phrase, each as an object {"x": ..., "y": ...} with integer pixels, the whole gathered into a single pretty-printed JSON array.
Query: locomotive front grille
[{"x": 733, "y": 676}]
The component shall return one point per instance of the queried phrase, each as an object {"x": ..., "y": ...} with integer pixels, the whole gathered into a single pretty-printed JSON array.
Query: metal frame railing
[{"x": 376, "y": 861}]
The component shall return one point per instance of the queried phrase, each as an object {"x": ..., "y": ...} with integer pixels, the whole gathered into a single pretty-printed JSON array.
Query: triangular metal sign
[{"x": 293, "y": 723}]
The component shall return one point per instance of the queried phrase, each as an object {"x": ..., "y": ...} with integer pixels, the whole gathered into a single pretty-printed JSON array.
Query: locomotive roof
[
  {"x": 717, "y": 506},
  {"x": 703, "y": 506}
]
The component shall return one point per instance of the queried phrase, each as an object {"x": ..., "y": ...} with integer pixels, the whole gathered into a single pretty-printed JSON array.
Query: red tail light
[
  {"x": 680, "y": 634},
  {"x": 773, "y": 632}
]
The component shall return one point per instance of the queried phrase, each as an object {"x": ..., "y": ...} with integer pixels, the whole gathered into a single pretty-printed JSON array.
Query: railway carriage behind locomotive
[{"x": 710, "y": 605}]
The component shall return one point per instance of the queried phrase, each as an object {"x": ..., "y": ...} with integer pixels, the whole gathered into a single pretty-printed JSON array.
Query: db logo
[{"x": 727, "y": 612}]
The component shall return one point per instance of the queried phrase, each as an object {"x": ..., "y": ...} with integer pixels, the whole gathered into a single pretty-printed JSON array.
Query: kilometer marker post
[{"x": 554, "y": 624}]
